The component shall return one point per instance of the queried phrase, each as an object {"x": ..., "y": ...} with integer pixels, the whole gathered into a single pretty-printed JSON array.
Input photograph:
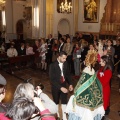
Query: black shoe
[
  {"x": 57, "y": 118},
  {"x": 107, "y": 111},
  {"x": 103, "y": 118}
]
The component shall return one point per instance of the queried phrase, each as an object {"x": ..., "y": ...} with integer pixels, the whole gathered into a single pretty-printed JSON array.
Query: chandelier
[
  {"x": 2, "y": 1},
  {"x": 65, "y": 7}
]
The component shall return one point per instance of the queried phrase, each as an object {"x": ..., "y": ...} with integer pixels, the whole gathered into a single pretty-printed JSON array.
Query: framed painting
[
  {"x": 91, "y": 11},
  {"x": 27, "y": 13}
]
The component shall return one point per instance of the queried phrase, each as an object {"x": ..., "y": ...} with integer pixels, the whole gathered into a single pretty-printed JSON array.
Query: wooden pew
[
  {"x": 3, "y": 59},
  {"x": 19, "y": 59}
]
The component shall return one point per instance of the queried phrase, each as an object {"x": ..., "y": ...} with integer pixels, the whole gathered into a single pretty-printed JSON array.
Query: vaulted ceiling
[{"x": 3, "y": 1}]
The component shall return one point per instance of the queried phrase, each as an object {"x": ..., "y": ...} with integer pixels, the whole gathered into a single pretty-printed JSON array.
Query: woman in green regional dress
[{"x": 87, "y": 101}]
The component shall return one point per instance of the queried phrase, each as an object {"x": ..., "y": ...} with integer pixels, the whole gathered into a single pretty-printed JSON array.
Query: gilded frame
[{"x": 91, "y": 11}]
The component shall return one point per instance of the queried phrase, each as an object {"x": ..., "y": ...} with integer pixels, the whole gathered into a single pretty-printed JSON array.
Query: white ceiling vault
[{"x": 3, "y": 1}]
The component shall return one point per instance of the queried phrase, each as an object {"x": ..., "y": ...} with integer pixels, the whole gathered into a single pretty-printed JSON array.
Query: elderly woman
[{"x": 25, "y": 105}]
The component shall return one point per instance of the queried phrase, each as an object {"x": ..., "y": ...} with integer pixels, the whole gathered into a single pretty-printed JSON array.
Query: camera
[{"x": 40, "y": 85}]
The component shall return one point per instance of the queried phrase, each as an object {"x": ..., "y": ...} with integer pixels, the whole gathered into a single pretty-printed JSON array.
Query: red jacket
[
  {"x": 3, "y": 117},
  {"x": 105, "y": 81}
]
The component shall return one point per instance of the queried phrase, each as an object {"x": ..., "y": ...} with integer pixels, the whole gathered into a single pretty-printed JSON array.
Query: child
[{"x": 47, "y": 102}]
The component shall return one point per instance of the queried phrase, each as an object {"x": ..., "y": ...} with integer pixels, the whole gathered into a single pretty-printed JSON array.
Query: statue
[{"x": 91, "y": 10}]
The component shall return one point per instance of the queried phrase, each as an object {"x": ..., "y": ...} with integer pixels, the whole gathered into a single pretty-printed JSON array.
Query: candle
[
  {"x": 106, "y": 26},
  {"x": 60, "y": 8},
  {"x": 109, "y": 27},
  {"x": 112, "y": 26}
]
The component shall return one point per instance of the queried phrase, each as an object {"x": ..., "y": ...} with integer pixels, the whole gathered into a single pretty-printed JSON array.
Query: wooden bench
[
  {"x": 20, "y": 59},
  {"x": 3, "y": 59}
]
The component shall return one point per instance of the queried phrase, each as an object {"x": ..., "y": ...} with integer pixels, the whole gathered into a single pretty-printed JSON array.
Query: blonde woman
[
  {"x": 68, "y": 47},
  {"x": 43, "y": 51}
]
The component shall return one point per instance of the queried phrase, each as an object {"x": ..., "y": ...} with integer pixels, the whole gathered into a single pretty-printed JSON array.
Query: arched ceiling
[{"x": 3, "y": 1}]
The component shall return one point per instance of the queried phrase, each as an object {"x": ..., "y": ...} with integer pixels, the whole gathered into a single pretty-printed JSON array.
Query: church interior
[{"x": 25, "y": 22}]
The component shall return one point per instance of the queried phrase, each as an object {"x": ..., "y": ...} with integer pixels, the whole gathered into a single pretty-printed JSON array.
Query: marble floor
[{"x": 38, "y": 76}]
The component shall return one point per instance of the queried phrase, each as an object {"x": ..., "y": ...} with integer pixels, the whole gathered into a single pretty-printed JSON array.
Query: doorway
[
  {"x": 64, "y": 26},
  {"x": 20, "y": 29}
]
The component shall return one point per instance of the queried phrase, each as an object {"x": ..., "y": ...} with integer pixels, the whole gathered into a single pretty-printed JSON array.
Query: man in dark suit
[
  {"x": 60, "y": 75},
  {"x": 117, "y": 56},
  {"x": 49, "y": 53},
  {"x": 61, "y": 44}
]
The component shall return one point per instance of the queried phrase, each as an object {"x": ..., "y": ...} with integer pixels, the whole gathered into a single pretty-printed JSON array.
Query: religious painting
[
  {"x": 27, "y": 13},
  {"x": 91, "y": 11},
  {"x": 61, "y": 3}
]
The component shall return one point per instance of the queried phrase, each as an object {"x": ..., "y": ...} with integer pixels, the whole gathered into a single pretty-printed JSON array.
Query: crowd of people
[{"x": 91, "y": 62}]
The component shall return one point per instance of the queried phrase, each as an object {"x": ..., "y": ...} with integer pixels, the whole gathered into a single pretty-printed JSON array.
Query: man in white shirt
[{"x": 12, "y": 52}]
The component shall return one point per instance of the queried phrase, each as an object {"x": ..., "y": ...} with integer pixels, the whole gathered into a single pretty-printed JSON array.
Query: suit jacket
[
  {"x": 61, "y": 47},
  {"x": 117, "y": 51},
  {"x": 84, "y": 53},
  {"x": 55, "y": 74},
  {"x": 21, "y": 52},
  {"x": 111, "y": 53}
]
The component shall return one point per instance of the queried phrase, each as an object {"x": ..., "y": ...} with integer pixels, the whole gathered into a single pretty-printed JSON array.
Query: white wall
[
  {"x": 86, "y": 27},
  {"x": 18, "y": 8},
  {"x": 9, "y": 16},
  {"x": 17, "y": 12},
  {"x": 58, "y": 16},
  {"x": 63, "y": 27},
  {"x": 90, "y": 27}
]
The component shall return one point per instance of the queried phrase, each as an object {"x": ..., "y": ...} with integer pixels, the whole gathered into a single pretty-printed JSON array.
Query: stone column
[
  {"x": 9, "y": 18},
  {"x": 40, "y": 30},
  {"x": 42, "y": 18}
]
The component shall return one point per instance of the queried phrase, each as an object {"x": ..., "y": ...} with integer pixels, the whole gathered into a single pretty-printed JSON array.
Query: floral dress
[{"x": 43, "y": 50}]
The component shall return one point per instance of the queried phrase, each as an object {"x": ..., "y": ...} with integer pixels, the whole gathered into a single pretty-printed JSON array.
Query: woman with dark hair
[
  {"x": 105, "y": 75},
  {"x": 76, "y": 60},
  {"x": 110, "y": 50},
  {"x": 55, "y": 49},
  {"x": 68, "y": 47}
]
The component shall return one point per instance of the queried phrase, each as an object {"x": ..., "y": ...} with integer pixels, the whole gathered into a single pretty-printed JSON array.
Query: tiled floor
[{"x": 42, "y": 77}]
